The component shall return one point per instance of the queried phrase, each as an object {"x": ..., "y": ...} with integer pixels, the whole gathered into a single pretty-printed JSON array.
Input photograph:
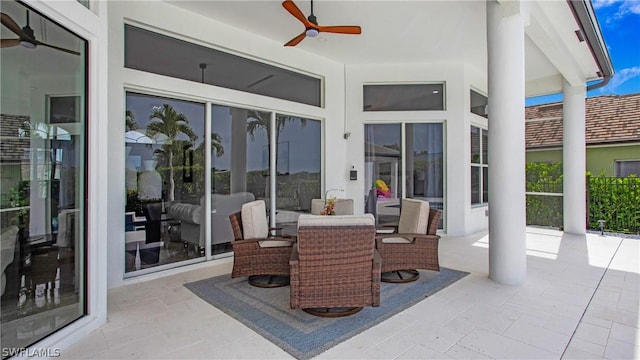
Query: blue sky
[{"x": 620, "y": 26}]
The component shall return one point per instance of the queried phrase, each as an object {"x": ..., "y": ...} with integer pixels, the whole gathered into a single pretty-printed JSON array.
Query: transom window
[
  {"x": 164, "y": 55},
  {"x": 403, "y": 97}
]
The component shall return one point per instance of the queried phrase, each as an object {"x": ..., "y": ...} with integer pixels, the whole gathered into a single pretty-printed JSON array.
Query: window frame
[
  {"x": 616, "y": 170},
  {"x": 479, "y": 166}
]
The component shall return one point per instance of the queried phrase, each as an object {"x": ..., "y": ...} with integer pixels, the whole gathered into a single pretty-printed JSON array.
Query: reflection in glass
[
  {"x": 403, "y": 97},
  {"x": 164, "y": 142},
  {"x": 425, "y": 163},
  {"x": 485, "y": 184},
  {"x": 240, "y": 166},
  {"x": 43, "y": 166},
  {"x": 475, "y": 184},
  {"x": 478, "y": 103},
  {"x": 475, "y": 145},
  {"x": 479, "y": 165},
  {"x": 298, "y": 164},
  {"x": 383, "y": 171},
  {"x": 220, "y": 68}
]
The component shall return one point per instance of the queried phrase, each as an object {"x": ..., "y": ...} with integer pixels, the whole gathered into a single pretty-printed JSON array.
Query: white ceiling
[
  {"x": 392, "y": 31},
  {"x": 399, "y": 32}
]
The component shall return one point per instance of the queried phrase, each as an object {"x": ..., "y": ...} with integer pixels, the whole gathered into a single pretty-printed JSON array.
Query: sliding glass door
[
  {"x": 241, "y": 166},
  {"x": 409, "y": 154},
  {"x": 298, "y": 164},
  {"x": 164, "y": 178},
  {"x": 383, "y": 171},
  {"x": 43, "y": 185}
]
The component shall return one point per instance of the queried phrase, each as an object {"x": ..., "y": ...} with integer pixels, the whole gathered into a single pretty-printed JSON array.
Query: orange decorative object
[{"x": 329, "y": 207}]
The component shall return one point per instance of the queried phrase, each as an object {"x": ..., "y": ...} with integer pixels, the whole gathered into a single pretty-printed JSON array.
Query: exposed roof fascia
[
  {"x": 595, "y": 145},
  {"x": 583, "y": 12}
]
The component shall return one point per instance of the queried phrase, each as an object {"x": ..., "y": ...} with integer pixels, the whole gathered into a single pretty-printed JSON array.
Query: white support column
[
  {"x": 507, "y": 223},
  {"x": 574, "y": 159}
]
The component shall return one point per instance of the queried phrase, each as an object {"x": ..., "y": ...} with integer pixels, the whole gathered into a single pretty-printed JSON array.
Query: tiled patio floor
[{"x": 580, "y": 300}]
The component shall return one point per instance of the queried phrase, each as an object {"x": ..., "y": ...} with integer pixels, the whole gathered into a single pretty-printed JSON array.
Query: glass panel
[
  {"x": 626, "y": 168},
  {"x": 160, "y": 54},
  {"x": 383, "y": 171},
  {"x": 475, "y": 145},
  {"x": 485, "y": 184},
  {"x": 485, "y": 146},
  {"x": 298, "y": 164},
  {"x": 240, "y": 166},
  {"x": 424, "y": 149},
  {"x": 475, "y": 184},
  {"x": 43, "y": 166},
  {"x": 479, "y": 104},
  {"x": 403, "y": 97},
  {"x": 164, "y": 142}
]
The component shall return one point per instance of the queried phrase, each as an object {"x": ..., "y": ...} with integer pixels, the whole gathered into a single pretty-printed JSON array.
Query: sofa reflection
[{"x": 191, "y": 218}]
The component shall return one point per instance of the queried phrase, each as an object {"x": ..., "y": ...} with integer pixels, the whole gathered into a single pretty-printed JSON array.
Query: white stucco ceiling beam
[{"x": 544, "y": 34}]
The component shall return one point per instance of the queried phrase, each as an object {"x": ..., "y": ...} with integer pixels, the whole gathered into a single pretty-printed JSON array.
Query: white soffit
[{"x": 552, "y": 29}]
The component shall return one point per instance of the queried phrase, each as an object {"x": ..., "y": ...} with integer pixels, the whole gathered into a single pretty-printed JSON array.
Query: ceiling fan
[
  {"x": 311, "y": 27},
  {"x": 26, "y": 36}
]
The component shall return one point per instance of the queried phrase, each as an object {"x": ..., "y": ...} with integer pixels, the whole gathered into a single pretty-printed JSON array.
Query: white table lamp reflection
[{"x": 149, "y": 181}]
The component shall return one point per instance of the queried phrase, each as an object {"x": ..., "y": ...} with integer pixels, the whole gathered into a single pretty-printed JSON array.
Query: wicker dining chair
[
  {"x": 413, "y": 245},
  {"x": 263, "y": 258},
  {"x": 335, "y": 269}
]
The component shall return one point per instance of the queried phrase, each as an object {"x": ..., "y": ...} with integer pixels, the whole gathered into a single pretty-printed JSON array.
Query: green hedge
[
  {"x": 542, "y": 209},
  {"x": 614, "y": 200}
]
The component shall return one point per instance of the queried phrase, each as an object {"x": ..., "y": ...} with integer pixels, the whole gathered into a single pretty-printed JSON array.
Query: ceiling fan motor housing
[
  {"x": 312, "y": 19},
  {"x": 28, "y": 42}
]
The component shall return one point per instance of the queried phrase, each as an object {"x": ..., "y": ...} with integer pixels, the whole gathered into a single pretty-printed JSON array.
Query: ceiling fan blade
[
  {"x": 11, "y": 25},
  {"x": 9, "y": 42},
  {"x": 296, "y": 12},
  {"x": 58, "y": 48},
  {"x": 340, "y": 29},
  {"x": 296, "y": 40}
]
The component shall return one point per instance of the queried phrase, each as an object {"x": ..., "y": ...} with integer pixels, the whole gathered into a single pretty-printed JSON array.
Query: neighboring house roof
[
  {"x": 12, "y": 148},
  {"x": 609, "y": 119}
]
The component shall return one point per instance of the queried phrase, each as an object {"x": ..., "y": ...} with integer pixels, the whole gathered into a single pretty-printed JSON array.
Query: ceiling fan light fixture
[
  {"x": 311, "y": 32},
  {"x": 28, "y": 44}
]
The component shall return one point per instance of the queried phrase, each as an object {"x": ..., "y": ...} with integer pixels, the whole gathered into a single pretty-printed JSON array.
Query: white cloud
[
  {"x": 619, "y": 78},
  {"x": 632, "y": 6},
  {"x": 603, "y": 3},
  {"x": 622, "y": 8}
]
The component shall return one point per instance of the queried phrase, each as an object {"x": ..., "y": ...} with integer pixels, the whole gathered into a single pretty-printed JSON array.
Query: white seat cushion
[
  {"x": 254, "y": 220},
  {"x": 274, "y": 243},
  {"x": 396, "y": 240},
  {"x": 414, "y": 217},
  {"x": 336, "y": 220}
]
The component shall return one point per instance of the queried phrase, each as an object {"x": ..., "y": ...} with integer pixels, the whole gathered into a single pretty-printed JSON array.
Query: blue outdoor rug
[{"x": 267, "y": 311}]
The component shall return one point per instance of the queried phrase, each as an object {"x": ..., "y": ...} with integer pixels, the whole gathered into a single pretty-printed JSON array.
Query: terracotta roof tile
[{"x": 609, "y": 119}]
